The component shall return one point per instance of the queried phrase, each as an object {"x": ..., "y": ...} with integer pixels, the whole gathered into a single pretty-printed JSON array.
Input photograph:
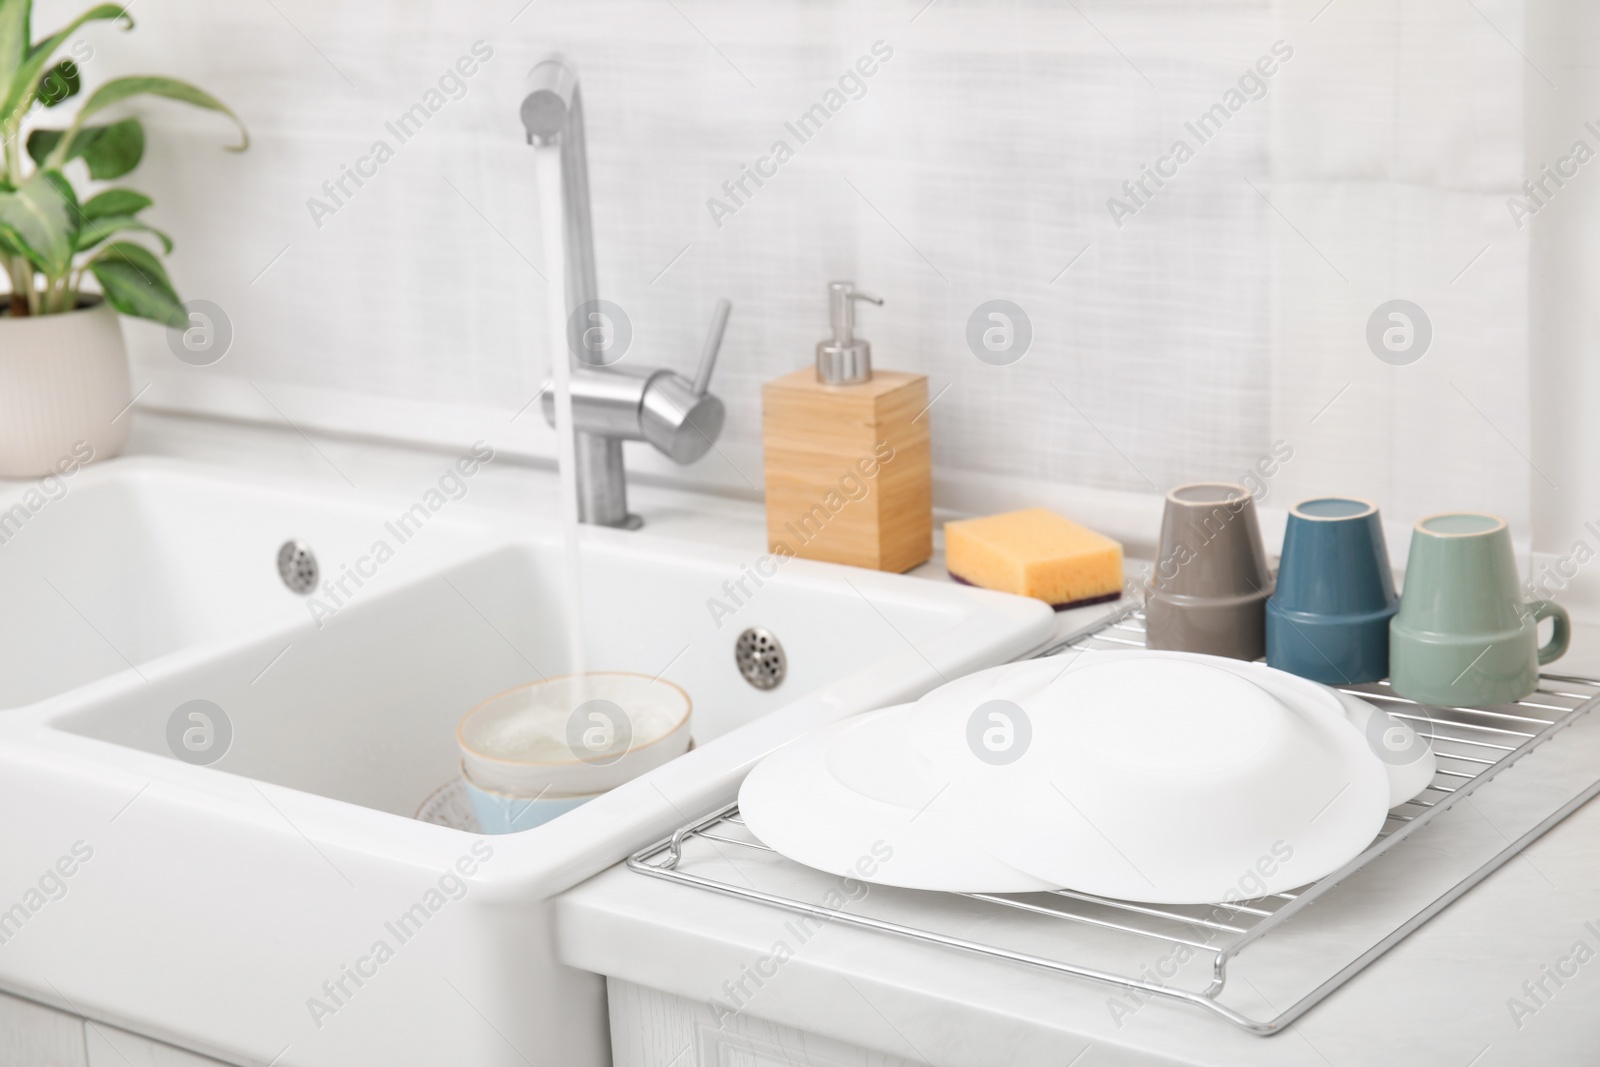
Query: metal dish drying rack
[{"x": 1472, "y": 747}]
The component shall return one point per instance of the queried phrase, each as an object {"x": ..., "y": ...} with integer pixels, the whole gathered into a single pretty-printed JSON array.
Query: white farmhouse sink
[
  {"x": 119, "y": 564},
  {"x": 280, "y": 905}
]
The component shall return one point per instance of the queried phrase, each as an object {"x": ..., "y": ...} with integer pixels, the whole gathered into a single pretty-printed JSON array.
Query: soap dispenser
[{"x": 848, "y": 464}]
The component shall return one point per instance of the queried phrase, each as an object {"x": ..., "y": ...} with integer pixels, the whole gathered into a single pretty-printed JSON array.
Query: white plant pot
[{"x": 64, "y": 388}]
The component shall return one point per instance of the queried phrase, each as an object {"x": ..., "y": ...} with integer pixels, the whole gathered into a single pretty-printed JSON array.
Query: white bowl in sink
[{"x": 574, "y": 734}]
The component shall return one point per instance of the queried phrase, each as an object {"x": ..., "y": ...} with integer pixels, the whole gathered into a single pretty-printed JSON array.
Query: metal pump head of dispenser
[{"x": 843, "y": 359}]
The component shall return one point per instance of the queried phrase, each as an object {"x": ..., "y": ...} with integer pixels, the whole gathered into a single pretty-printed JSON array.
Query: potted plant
[{"x": 63, "y": 368}]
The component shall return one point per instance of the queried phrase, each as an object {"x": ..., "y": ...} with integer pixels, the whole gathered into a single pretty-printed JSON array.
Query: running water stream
[{"x": 547, "y": 164}]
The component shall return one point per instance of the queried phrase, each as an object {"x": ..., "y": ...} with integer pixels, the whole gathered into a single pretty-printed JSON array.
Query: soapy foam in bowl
[{"x": 520, "y": 740}]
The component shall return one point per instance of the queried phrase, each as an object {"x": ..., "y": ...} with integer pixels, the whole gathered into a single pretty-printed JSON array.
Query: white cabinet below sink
[
  {"x": 110, "y": 1047},
  {"x": 32, "y": 1035},
  {"x": 649, "y": 1028}
]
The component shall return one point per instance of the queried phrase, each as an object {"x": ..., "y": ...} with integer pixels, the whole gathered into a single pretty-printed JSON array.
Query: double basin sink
[{"x": 251, "y": 883}]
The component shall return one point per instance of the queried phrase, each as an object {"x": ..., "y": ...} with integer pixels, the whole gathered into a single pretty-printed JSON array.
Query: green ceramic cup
[{"x": 1464, "y": 634}]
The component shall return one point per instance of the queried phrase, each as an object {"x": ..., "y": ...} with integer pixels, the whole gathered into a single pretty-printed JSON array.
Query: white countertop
[{"x": 1440, "y": 997}]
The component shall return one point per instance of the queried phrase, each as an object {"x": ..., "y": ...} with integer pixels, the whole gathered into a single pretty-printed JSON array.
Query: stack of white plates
[{"x": 1151, "y": 776}]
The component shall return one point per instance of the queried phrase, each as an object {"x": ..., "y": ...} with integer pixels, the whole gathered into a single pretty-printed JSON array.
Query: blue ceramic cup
[
  {"x": 501, "y": 813},
  {"x": 1328, "y": 618}
]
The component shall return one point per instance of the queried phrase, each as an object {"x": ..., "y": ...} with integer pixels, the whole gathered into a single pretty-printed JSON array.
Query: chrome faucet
[{"x": 611, "y": 404}]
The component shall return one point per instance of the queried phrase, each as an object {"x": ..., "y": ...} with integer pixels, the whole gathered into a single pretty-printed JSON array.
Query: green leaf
[
  {"x": 115, "y": 202},
  {"x": 40, "y": 142},
  {"x": 115, "y": 150},
  {"x": 119, "y": 89},
  {"x": 6, "y": 247},
  {"x": 96, "y": 230},
  {"x": 111, "y": 151},
  {"x": 135, "y": 283},
  {"x": 60, "y": 83},
  {"x": 38, "y": 221},
  {"x": 69, "y": 195},
  {"x": 64, "y": 187},
  {"x": 15, "y": 36},
  {"x": 24, "y": 78}
]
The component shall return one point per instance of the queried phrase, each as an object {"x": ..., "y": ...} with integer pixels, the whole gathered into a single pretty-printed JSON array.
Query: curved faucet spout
[
  {"x": 552, "y": 113},
  {"x": 552, "y": 96},
  {"x": 680, "y": 417}
]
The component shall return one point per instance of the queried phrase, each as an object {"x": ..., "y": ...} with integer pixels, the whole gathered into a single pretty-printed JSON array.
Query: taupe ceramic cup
[
  {"x": 1464, "y": 634},
  {"x": 1209, "y": 589}
]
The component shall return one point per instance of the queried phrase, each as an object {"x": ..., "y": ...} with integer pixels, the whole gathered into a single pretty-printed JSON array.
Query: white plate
[
  {"x": 1407, "y": 759},
  {"x": 1157, "y": 777},
  {"x": 1406, "y": 756},
  {"x": 797, "y": 802}
]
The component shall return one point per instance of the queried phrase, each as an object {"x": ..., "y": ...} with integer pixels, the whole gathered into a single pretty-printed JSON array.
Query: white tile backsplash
[{"x": 976, "y": 165}]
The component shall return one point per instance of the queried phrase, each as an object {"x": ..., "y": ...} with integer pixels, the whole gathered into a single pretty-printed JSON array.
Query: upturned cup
[
  {"x": 1209, "y": 588},
  {"x": 1464, "y": 634},
  {"x": 1328, "y": 618}
]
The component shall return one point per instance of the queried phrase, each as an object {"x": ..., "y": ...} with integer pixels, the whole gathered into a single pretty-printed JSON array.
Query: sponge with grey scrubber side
[{"x": 1035, "y": 553}]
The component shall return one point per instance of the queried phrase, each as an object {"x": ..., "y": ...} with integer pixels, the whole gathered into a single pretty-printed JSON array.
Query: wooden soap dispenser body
[{"x": 849, "y": 469}]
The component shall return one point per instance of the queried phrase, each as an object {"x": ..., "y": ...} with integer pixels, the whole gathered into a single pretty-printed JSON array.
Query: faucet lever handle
[{"x": 708, "y": 357}]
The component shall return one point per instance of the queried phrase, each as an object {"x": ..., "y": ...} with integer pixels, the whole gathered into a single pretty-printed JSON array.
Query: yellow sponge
[{"x": 1035, "y": 553}]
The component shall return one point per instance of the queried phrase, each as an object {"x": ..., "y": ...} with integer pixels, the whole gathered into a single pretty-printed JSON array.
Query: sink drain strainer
[
  {"x": 297, "y": 566},
  {"x": 760, "y": 658}
]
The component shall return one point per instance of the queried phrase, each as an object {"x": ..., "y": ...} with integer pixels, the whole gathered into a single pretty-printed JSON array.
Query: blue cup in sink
[{"x": 502, "y": 813}]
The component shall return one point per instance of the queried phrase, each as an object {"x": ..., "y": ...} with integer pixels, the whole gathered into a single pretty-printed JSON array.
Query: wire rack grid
[{"x": 1471, "y": 745}]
